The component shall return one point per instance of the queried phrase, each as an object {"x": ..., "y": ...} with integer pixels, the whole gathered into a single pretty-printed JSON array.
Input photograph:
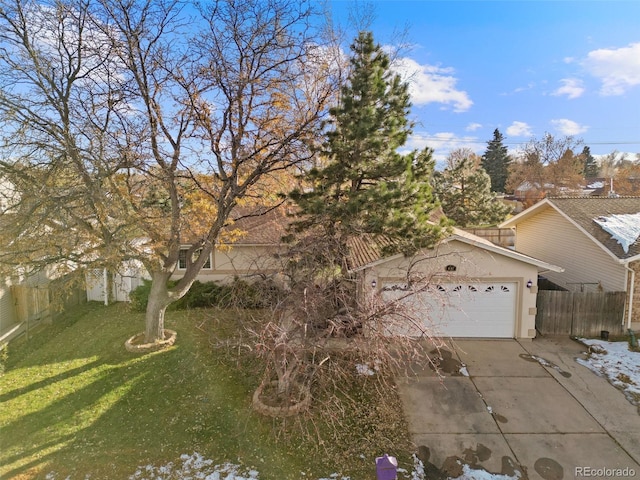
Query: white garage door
[{"x": 478, "y": 309}]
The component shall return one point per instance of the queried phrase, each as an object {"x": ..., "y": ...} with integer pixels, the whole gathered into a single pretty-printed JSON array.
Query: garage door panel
[{"x": 479, "y": 309}]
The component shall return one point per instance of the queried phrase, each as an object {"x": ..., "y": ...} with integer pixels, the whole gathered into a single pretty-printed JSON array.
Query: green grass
[{"x": 75, "y": 402}]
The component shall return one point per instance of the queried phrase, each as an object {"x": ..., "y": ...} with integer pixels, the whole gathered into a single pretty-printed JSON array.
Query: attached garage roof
[{"x": 366, "y": 251}]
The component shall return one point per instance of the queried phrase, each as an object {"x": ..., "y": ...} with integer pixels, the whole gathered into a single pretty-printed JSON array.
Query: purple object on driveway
[{"x": 386, "y": 468}]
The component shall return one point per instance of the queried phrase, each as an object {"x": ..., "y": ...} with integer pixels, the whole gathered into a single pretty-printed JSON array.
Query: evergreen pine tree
[
  {"x": 466, "y": 198},
  {"x": 365, "y": 186},
  {"x": 495, "y": 162},
  {"x": 591, "y": 168}
]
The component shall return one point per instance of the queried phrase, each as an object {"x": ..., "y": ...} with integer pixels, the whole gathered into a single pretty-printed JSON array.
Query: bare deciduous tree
[
  {"x": 132, "y": 128},
  {"x": 547, "y": 165},
  {"x": 326, "y": 331}
]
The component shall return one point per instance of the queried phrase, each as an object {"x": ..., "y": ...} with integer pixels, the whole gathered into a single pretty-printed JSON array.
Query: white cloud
[
  {"x": 571, "y": 87},
  {"x": 519, "y": 129},
  {"x": 442, "y": 144},
  {"x": 617, "y": 68},
  {"x": 529, "y": 86},
  {"x": 472, "y": 127},
  {"x": 432, "y": 84},
  {"x": 568, "y": 127}
]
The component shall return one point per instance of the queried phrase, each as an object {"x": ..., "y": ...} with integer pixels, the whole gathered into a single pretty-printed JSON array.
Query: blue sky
[{"x": 526, "y": 68}]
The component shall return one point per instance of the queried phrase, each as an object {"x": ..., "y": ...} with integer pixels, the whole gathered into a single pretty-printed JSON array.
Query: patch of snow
[
  {"x": 469, "y": 473},
  {"x": 194, "y": 466},
  {"x": 617, "y": 363},
  {"x": 418, "y": 469},
  {"x": 490, "y": 410},
  {"x": 598, "y": 184},
  {"x": 541, "y": 361},
  {"x": 463, "y": 371},
  {"x": 624, "y": 228},
  {"x": 364, "y": 369}
]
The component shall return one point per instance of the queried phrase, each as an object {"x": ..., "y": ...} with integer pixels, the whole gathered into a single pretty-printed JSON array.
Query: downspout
[{"x": 631, "y": 290}]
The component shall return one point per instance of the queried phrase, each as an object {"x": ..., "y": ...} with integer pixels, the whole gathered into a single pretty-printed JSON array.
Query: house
[
  {"x": 253, "y": 250},
  {"x": 593, "y": 238},
  {"x": 250, "y": 250},
  {"x": 475, "y": 288},
  {"x": 479, "y": 289}
]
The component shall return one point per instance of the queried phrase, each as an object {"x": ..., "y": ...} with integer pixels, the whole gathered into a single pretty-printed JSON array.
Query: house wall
[
  {"x": 635, "y": 311},
  {"x": 8, "y": 316},
  {"x": 9, "y": 196},
  {"x": 227, "y": 264},
  {"x": 472, "y": 264},
  {"x": 238, "y": 261},
  {"x": 552, "y": 238}
]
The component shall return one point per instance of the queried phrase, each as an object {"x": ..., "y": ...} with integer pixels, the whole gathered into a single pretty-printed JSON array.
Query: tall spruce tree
[
  {"x": 495, "y": 162},
  {"x": 364, "y": 185},
  {"x": 466, "y": 198},
  {"x": 591, "y": 168}
]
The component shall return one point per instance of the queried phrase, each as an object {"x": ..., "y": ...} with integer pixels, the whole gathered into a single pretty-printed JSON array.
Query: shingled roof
[
  {"x": 261, "y": 228},
  {"x": 367, "y": 250},
  {"x": 583, "y": 212}
]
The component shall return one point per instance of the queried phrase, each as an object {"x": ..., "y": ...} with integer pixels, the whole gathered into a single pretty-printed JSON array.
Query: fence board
[{"x": 579, "y": 313}]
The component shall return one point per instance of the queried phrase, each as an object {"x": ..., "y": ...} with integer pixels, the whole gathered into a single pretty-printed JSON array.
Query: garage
[
  {"x": 465, "y": 287},
  {"x": 462, "y": 309}
]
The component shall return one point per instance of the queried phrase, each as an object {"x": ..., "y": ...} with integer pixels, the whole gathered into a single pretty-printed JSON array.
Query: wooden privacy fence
[
  {"x": 581, "y": 314},
  {"x": 505, "y": 237},
  {"x": 32, "y": 303},
  {"x": 35, "y": 304}
]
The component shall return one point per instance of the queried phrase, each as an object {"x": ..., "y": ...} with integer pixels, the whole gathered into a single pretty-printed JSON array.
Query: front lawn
[{"x": 76, "y": 404}]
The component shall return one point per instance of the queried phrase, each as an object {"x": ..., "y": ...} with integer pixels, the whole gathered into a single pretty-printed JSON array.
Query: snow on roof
[{"x": 624, "y": 228}]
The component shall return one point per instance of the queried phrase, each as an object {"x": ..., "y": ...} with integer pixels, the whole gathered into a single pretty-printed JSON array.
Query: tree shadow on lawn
[
  {"x": 45, "y": 382},
  {"x": 82, "y": 332},
  {"x": 122, "y": 410}
]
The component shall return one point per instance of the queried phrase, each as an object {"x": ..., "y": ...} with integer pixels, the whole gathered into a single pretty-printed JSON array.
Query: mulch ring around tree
[
  {"x": 267, "y": 400},
  {"x": 136, "y": 343}
]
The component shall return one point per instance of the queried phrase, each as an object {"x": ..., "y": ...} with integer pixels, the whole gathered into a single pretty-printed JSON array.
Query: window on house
[{"x": 182, "y": 259}]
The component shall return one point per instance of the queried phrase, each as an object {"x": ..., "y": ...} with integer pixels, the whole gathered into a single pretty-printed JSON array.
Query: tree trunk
[{"x": 158, "y": 302}]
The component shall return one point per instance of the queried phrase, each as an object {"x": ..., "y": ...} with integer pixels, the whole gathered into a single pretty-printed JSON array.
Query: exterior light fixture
[
  {"x": 529, "y": 284},
  {"x": 374, "y": 284}
]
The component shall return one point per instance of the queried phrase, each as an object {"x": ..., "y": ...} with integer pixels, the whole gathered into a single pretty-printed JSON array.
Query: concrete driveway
[{"x": 526, "y": 406}]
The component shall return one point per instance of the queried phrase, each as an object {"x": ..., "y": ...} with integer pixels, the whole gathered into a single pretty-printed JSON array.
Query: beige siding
[
  {"x": 7, "y": 309},
  {"x": 552, "y": 238},
  {"x": 635, "y": 311},
  {"x": 473, "y": 264},
  {"x": 239, "y": 261}
]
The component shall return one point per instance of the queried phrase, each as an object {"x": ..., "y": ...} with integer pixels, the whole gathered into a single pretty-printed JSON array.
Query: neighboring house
[
  {"x": 593, "y": 238},
  {"x": 476, "y": 288},
  {"x": 8, "y": 317},
  {"x": 9, "y": 196}
]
